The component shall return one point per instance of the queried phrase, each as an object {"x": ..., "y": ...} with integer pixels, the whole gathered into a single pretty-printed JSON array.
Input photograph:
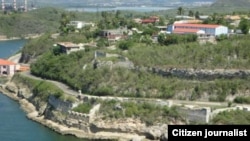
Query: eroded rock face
[
  {"x": 157, "y": 132},
  {"x": 11, "y": 88},
  {"x": 40, "y": 106},
  {"x": 164, "y": 137},
  {"x": 127, "y": 125}
]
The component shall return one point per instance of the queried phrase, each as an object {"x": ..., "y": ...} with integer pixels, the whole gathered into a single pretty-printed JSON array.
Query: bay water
[{"x": 14, "y": 126}]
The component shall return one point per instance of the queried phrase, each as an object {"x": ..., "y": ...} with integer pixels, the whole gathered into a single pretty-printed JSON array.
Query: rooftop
[
  {"x": 6, "y": 62},
  {"x": 148, "y": 21},
  {"x": 67, "y": 44},
  {"x": 197, "y": 25}
]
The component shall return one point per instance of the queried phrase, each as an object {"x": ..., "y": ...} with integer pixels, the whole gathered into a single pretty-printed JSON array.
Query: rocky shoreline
[
  {"x": 33, "y": 114},
  {"x": 28, "y": 106}
]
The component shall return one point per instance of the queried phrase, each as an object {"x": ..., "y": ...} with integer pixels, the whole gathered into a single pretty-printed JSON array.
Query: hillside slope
[
  {"x": 231, "y": 3},
  {"x": 33, "y": 22}
]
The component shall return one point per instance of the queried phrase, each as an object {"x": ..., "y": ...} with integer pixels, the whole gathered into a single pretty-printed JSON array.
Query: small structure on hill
[
  {"x": 80, "y": 24},
  {"x": 68, "y": 47},
  {"x": 114, "y": 35}
]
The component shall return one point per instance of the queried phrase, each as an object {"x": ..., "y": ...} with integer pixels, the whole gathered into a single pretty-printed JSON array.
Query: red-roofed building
[
  {"x": 152, "y": 19},
  {"x": 147, "y": 21},
  {"x": 209, "y": 29},
  {"x": 7, "y": 67}
]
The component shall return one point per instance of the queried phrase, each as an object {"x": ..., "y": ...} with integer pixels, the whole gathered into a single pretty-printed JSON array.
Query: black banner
[{"x": 208, "y": 132}]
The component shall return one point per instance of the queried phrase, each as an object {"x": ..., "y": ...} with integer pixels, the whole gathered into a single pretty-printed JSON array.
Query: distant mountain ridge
[
  {"x": 123, "y": 2},
  {"x": 231, "y": 3}
]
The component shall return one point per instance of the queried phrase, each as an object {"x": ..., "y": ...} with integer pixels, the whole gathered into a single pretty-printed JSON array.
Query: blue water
[
  {"x": 8, "y": 48},
  {"x": 138, "y": 9},
  {"x": 14, "y": 126}
]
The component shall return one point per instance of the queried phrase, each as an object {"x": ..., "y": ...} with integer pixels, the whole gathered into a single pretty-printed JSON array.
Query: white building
[
  {"x": 80, "y": 24},
  {"x": 208, "y": 29}
]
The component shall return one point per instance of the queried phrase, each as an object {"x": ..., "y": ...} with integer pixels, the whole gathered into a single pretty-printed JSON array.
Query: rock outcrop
[{"x": 199, "y": 74}]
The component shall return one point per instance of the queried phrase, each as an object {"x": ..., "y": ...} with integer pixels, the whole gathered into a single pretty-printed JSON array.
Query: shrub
[
  {"x": 125, "y": 45},
  {"x": 83, "y": 108},
  {"x": 103, "y": 91},
  {"x": 242, "y": 100}
]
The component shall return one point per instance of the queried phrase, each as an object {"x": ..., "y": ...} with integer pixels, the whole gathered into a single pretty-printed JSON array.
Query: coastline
[{"x": 32, "y": 114}]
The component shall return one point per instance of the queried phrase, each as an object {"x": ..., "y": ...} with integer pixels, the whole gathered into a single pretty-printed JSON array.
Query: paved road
[
  {"x": 15, "y": 58},
  {"x": 69, "y": 91},
  {"x": 62, "y": 86}
]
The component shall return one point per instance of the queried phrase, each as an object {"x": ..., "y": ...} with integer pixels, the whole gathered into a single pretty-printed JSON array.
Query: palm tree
[{"x": 180, "y": 11}]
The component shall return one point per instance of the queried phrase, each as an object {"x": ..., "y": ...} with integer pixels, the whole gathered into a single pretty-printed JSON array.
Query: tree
[
  {"x": 161, "y": 39},
  {"x": 64, "y": 23},
  {"x": 147, "y": 40},
  {"x": 190, "y": 13},
  {"x": 118, "y": 13},
  {"x": 180, "y": 11},
  {"x": 161, "y": 21},
  {"x": 214, "y": 17},
  {"x": 244, "y": 26},
  {"x": 197, "y": 14},
  {"x": 125, "y": 45},
  {"x": 104, "y": 15}
]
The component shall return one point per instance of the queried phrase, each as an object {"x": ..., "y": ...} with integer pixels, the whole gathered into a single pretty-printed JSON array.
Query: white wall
[
  {"x": 10, "y": 69},
  {"x": 221, "y": 30}
]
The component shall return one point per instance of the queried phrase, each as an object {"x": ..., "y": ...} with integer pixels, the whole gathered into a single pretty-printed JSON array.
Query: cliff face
[{"x": 88, "y": 125}]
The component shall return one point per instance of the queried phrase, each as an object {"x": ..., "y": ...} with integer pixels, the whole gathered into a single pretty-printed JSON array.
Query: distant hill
[
  {"x": 117, "y": 2},
  {"x": 231, "y": 3}
]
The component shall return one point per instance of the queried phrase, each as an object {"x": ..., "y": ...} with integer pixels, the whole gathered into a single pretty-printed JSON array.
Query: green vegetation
[
  {"x": 34, "y": 22},
  {"x": 3, "y": 80},
  {"x": 232, "y": 117},
  {"x": 122, "y": 82},
  {"x": 244, "y": 26},
  {"x": 83, "y": 108},
  {"x": 242, "y": 100},
  {"x": 41, "y": 89},
  {"x": 80, "y": 72},
  {"x": 232, "y": 3},
  {"x": 42, "y": 20},
  {"x": 147, "y": 112},
  {"x": 169, "y": 39},
  {"x": 231, "y": 53}
]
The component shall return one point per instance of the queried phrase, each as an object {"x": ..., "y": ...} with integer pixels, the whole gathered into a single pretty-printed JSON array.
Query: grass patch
[
  {"x": 42, "y": 89},
  {"x": 146, "y": 112},
  {"x": 232, "y": 117},
  {"x": 83, "y": 108}
]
